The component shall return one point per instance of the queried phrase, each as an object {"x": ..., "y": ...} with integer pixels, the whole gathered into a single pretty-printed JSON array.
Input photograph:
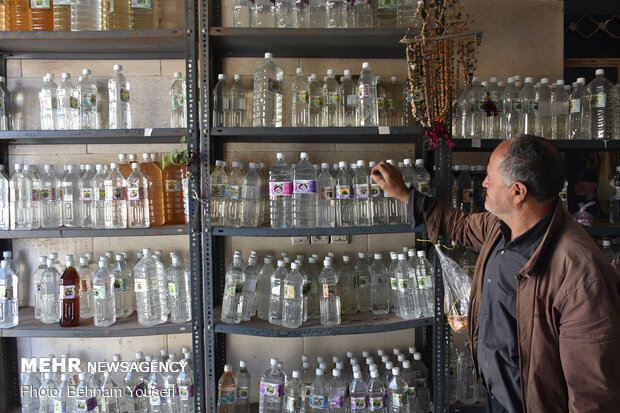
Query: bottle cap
[
  {"x": 378, "y": 256},
  {"x": 357, "y": 374},
  {"x": 417, "y": 356},
  {"x": 303, "y": 155},
  {"x": 411, "y": 349},
  {"x": 279, "y": 156},
  {"x": 529, "y": 80},
  {"x": 280, "y": 263},
  {"x": 395, "y": 371},
  {"x": 327, "y": 263},
  {"x": 294, "y": 265},
  {"x": 476, "y": 80},
  {"x": 369, "y": 361},
  {"x": 606, "y": 243},
  {"x": 228, "y": 368},
  {"x": 296, "y": 374},
  {"x": 114, "y": 165},
  {"x": 178, "y": 75},
  {"x": 236, "y": 77},
  {"x": 51, "y": 76},
  {"x": 347, "y": 73},
  {"x": 336, "y": 372},
  {"x": 401, "y": 357},
  {"x": 544, "y": 81},
  {"x": 83, "y": 260},
  {"x": 581, "y": 80},
  {"x": 419, "y": 162},
  {"x": 361, "y": 163},
  {"x": 273, "y": 362},
  {"x": 267, "y": 260},
  {"x": 66, "y": 76},
  {"x": 86, "y": 72},
  {"x": 396, "y": 351},
  {"x": 330, "y": 72},
  {"x": 393, "y": 255},
  {"x": 406, "y": 364},
  {"x": 135, "y": 166},
  {"x": 394, "y": 79},
  {"x": 407, "y": 161},
  {"x": 365, "y": 65},
  {"x": 402, "y": 257},
  {"x": 268, "y": 55},
  {"x": 50, "y": 262},
  {"x": 146, "y": 251},
  {"x": 600, "y": 72},
  {"x": 342, "y": 164},
  {"x": 118, "y": 68},
  {"x": 340, "y": 365},
  {"x": 318, "y": 372},
  {"x": 493, "y": 80}
]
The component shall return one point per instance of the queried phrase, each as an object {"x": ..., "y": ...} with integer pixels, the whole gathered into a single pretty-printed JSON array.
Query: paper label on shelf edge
[
  {"x": 148, "y": 131},
  {"x": 384, "y": 130},
  {"x": 476, "y": 143}
]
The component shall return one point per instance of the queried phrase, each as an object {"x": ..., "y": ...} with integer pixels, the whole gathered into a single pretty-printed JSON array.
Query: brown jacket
[{"x": 568, "y": 311}]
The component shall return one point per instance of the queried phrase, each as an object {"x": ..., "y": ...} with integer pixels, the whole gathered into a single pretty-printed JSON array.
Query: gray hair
[{"x": 537, "y": 164}]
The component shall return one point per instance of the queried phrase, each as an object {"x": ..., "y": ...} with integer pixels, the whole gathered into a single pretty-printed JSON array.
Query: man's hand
[{"x": 390, "y": 180}]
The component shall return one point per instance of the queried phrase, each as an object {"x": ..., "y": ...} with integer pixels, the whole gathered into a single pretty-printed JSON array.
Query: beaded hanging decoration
[{"x": 436, "y": 57}]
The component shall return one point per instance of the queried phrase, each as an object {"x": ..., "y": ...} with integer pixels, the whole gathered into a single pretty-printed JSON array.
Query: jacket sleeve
[
  {"x": 466, "y": 229},
  {"x": 589, "y": 339}
]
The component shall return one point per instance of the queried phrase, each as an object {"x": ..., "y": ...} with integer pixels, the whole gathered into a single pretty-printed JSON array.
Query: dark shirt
[{"x": 498, "y": 351}]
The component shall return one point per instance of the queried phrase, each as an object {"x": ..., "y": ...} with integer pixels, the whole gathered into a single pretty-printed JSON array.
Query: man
[{"x": 544, "y": 309}]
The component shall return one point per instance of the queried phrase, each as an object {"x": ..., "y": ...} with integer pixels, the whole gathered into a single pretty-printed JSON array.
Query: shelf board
[
  {"x": 336, "y": 43},
  {"x": 600, "y": 229},
  {"x": 301, "y": 232},
  {"x": 360, "y": 323},
  {"x": 462, "y": 408},
  {"x": 117, "y": 45},
  {"x": 487, "y": 145},
  {"x": 31, "y": 327},
  {"x": 320, "y": 135},
  {"x": 96, "y": 136},
  {"x": 88, "y": 232}
]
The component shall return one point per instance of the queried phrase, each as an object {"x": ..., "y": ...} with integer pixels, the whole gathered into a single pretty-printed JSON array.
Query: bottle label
[
  {"x": 532, "y": 106},
  {"x": 73, "y": 102},
  {"x": 36, "y": 195},
  {"x": 99, "y": 292},
  {"x": 86, "y": 194},
  {"x": 178, "y": 101},
  {"x": 304, "y": 187},
  {"x": 412, "y": 393},
  {"x": 381, "y": 103},
  {"x": 425, "y": 282},
  {"x": 469, "y": 269},
  {"x": 468, "y": 195},
  {"x": 233, "y": 192},
  {"x": 235, "y": 289},
  {"x": 500, "y": 105},
  {"x": 86, "y": 405},
  {"x": 575, "y": 105},
  {"x": 351, "y": 100},
  {"x": 69, "y": 292},
  {"x": 140, "y": 285},
  {"x": 598, "y": 100},
  {"x": 62, "y": 2},
  {"x": 99, "y": 194},
  {"x": 227, "y": 397},
  {"x": 60, "y": 406},
  {"x": 124, "y": 94},
  {"x": 336, "y": 402},
  {"x": 301, "y": 96},
  {"x": 157, "y": 399},
  {"x": 424, "y": 188},
  {"x": 142, "y": 4},
  {"x": 343, "y": 192},
  {"x": 403, "y": 285},
  {"x": 376, "y": 191},
  {"x": 390, "y": 104},
  {"x": 115, "y": 194},
  {"x": 243, "y": 393},
  {"x": 293, "y": 404},
  {"x": 316, "y": 102},
  {"x": 135, "y": 194},
  {"x": 362, "y": 191},
  {"x": 318, "y": 402},
  {"x": 173, "y": 289},
  {"x": 218, "y": 191},
  {"x": 40, "y": 4},
  {"x": 89, "y": 100},
  {"x": 48, "y": 194},
  {"x": 330, "y": 290},
  {"x": 327, "y": 193},
  {"x": 274, "y": 86},
  {"x": 250, "y": 284},
  {"x": 174, "y": 185},
  {"x": 376, "y": 403},
  {"x": 120, "y": 285},
  {"x": 333, "y": 98},
  {"x": 314, "y": 287},
  {"x": 186, "y": 392},
  {"x": 280, "y": 188},
  {"x": 289, "y": 291},
  {"x": 394, "y": 283},
  {"x": 6, "y": 293},
  {"x": 516, "y": 105},
  {"x": 398, "y": 400},
  {"x": 363, "y": 91},
  {"x": 37, "y": 288},
  {"x": 358, "y": 403},
  {"x": 307, "y": 392},
  {"x": 270, "y": 389},
  {"x": 478, "y": 106},
  {"x": 363, "y": 280}
]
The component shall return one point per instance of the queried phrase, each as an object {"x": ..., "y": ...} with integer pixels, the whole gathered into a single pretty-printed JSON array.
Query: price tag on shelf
[
  {"x": 384, "y": 130},
  {"x": 148, "y": 131},
  {"x": 476, "y": 143}
]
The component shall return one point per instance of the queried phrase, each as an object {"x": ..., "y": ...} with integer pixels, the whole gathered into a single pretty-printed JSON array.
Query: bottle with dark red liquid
[{"x": 70, "y": 295}]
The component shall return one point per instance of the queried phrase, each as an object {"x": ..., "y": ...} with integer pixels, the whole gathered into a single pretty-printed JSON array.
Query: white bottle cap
[
  {"x": 66, "y": 76},
  {"x": 299, "y": 71},
  {"x": 118, "y": 68},
  {"x": 303, "y": 155},
  {"x": 361, "y": 163},
  {"x": 560, "y": 82},
  {"x": 221, "y": 76},
  {"x": 600, "y": 72},
  {"x": 268, "y": 55},
  {"x": 374, "y": 374},
  {"x": 407, "y": 161},
  {"x": 353, "y": 166},
  {"x": 606, "y": 243},
  {"x": 324, "y": 165},
  {"x": 365, "y": 65},
  {"x": 411, "y": 253},
  {"x": 342, "y": 164},
  {"x": 484, "y": 84},
  {"x": 378, "y": 256},
  {"x": 395, "y": 371},
  {"x": 296, "y": 374},
  {"x": 347, "y": 73},
  {"x": 51, "y": 76},
  {"x": 511, "y": 80},
  {"x": 326, "y": 262},
  {"x": 476, "y": 80},
  {"x": 493, "y": 80},
  {"x": 178, "y": 75},
  {"x": 294, "y": 265},
  {"x": 581, "y": 80},
  {"x": 318, "y": 372},
  {"x": 280, "y": 263},
  {"x": 544, "y": 81},
  {"x": 86, "y": 72},
  {"x": 393, "y": 255},
  {"x": 236, "y": 164},
  {"x": 228, "y": 368},
  {"x": 406, "y": 364},
  {"x": 402, "y": 257},
  {"x": 529, "y": 80},
  {"x": 357, "y": 375},
  {"x": 114, "y": 165},
  {"x": 237, "y": 77},
  {"x": 372, "y": 164},
  {"x": 135, "y": 165},
  {"x": 314, "y": 77},
  {"x": 330, "y": 72},
  {"x": 267, "y": 260},
  {"x": 88, "y": 167},
  {"x": 401, "y": 357},
  {"x": 394, "y": 79},
  {"x": 279, "y": 156}
]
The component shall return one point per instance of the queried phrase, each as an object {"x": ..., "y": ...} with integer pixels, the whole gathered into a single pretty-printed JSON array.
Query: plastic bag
[{"x": 457, "y": 287}]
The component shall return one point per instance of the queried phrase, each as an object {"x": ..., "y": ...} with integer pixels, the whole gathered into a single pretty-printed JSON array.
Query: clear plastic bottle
[
  {"x": 421, "y": 382},
  {"x": 560, "y": 101},
  {"x": 119, "y": 95},
  {"x": 347, "y": 286},
  {"x": 614, "y": 197},
  {"x": 217, "y": 195},
  {"x": 115, "y": 199},
  {"x": 365, "y": 14},
  {"x": 384, "y": 115},
  {"x": 292, "y": 309},
  {"x": 268, "y": 92},
  {"x": 124, "y": 293},
  {"x": 512, "y": 109},
  {"x": 312, "y": 274},
  {"x": 50, "y": 202},
  {"x": 5, "y": 106},
  {"x": 98, "y": 211},
  {"x": 117, "y": 15},
  {"x": 325, "y": 201},
  {"x": 477, "y": 122},
  {"x": 227, "y": 391},
  {"x": 71, "y": 206},
  {"x": 9, "y": 296},
  {"x": 86, "y": 289},
  {"x": 263, "y": 14},
  {"x": 37, "y": 285},
  {"x": 405, "y": 12},
  {"x": 178, "y": 104},
  {"x": 286, "y": 14},
  {"x": 48, "y": 101},
  {"x": 185, "y": 384},
  {"x": 250, "y": 208},
  {"x": 221, "y": 102},
  {"x": 151, "y": 288},
  {"x": 495, "y": 124},
  {"x": 304, "y": 194},
  {"x": 601, "y": 106},
  {"x": 332, "y": 101},
  {"x": 263, "y": 289},
  {"x": 237, "y": 116},
  {"x": 250, "y": 296},
  {"x": 316, "y": 102},
  {"x": 529, "y": 107},
  {"x": 86, "y": 197},
  {"x": 276, "y": 297},
  {"x": 293, "y": 393},
  {"x": 103, "y": 294},
  {"x": 424, "y": 277},
  {"x": 179, "y": 292},
  {"x": 85, "y": 15},
  {"x": 358, "y": 393},
  {"x": 146, "y": 14},
  {"x": 280, "y": 193},
  {"x": 363, "y": 282},
  {"x": 350, "y": 93},
  {"x": 234, "y": 196},
  {"x": 233, "y": 293},
  {"x": 397, "y": 389},
  {"x": 5, "y": 200},
  {"x": 135, "y": 400},
  {"x": 367, "y": 97},
  {"x": 330, "y": 297},
  {"x": 50, "y": 287},
  {"x": 300, "y": 105},
  {"x": 579, "y": 119},
  {"x": 393, "y": 103},
  {"x": 363, "y": 205},
  {"x": 62, "y": 15},
  {"x": 47, "y": 390},
  {"x": 242, "y": 12},
  {"x": 87, "y": 101},
  {"x": 138, "y": 196},
  {"x": 380, "y": 286},
  {"x": 155, "y": 386},
  {"x": 336, "y": 14},
  {"x": 377, "y": 402},
  {"x": 544, "y": 113},
  {"x": 317, "y": 14},
  {"x": 67, "y": 98},
  {"x": 345, "y": 200},
  {"x": 408, "y": 300},
  {"x": 465, "y": 377},
  {"x": 319, "y": 394},
  {"x": 272, "y": 393}
]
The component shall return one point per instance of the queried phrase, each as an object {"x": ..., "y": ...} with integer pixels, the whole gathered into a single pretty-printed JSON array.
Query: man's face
[{"x": 499, "y": 196}]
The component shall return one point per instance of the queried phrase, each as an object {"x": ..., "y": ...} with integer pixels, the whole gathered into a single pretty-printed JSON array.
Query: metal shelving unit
[
  {"x": 97, "y": 136},
  {"x": 301, "y": 232},
  {"x": 87, "y": 232}
]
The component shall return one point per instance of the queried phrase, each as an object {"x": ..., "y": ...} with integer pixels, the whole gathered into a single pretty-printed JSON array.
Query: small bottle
[
  {"x": 179, "y": 292},
  {"x": 185, "y": 384},
  {"x": 70, "y": 295},
  {"x": 250, "y": 208},
  {"x": 336, "y": 14},
  {"x": 9, "y": 296},
  {"x": 86, "y": 288},
  {"x": 367, "y": 97},
  {"x": 115, "y": 199},
  {"x": 119, "y": 98},
  {"x": 268, "y": 88},
  {"x": 301, "y": 104},
  {"x": 316, "y": 101},
  {"x": 237, "y": 117},
  {"x": 234, "y": 196},
  {"x": 292, "y": 314},
  {"x": 221, "y": 103},
  {"x": 50, "y": 200},
  {"x": 543, "y": 114},
  {"x": 349, "y": 100},
  {"x": 294, "y": 391},
  {"x": 138, "y": 215},
  {"x": 98, "y": 203},
  {"x": 87, "y": 102},
  {"x": 602, "y": 104},
  {"x": 529, "y": 107},
  {"x": 178, "y": 105},
  {"x": 227, "y": 391},
  {"x": 317, "y": 14},
  {"x": 380, "y": 287},
  {"x": 272, "y": 384},
  {"x": 280, "y": 193},
  {"x": 330, "y": 298},
  {"x": 103, "y": 295},
  {"x": 319, "y": 394},
  {"x": 50, "y": 287},
  {"x": 579, "y": 117},
  {"x": 48, "y": 100},
  {"x": 242, "y": 402}
]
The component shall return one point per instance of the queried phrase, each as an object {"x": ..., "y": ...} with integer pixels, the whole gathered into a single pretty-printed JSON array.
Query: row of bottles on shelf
[
  {"x": 325, "y": 14},
  {"x": 77, "y": 15},
  {"x": 146, "y": 388},
  {"x": 369, "y": 102},
  {"x": 496, "y": 110},
  {"x": 115, "y": 288},
  {"x": 297, "y": 291},
  {"x": 367, "y": 383},
  {"x": 306, "y": 196},
  {"x": 121, "y": 196}
]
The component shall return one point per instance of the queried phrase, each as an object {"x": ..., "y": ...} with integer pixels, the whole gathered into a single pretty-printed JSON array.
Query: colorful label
[
  {"x": 376, "y": 191},
  {"x": 115, "y": 194},
  {"x": 289, "y": 291},
  {"x": 318, "y": 402},
  {"x": 575, "y": 105},
  {"x": 343, "y": 192},
  {"x": 280, "y": 188},
  {"x": 36, "y": 195},
  {"x": 142, "y": 4},
  {"x": 40, "y": 4},
  {"x": 394, "y": 283},
  {"x": 293, "y": 404},
  {"x": 333, "y": 98},
  {"x": 301, "y": 96},
  {"x": 362, "y": 191},
  {"x": 424, "y": 188},
  {"x": 233, "y": 191},
  {"x": 218, "y": 191},
  {"x": 140, "y": 285},
  {"x": 420, "y": 383},
  {"x": 500, "y": 105},
  {"x": 69, "y": 292},
  {"x": 532, "y": 106},
  {"x": 390, "y": 104},
  {"x": 336, "y": 402},
  {"x": 89, "y": 100},
  {"x": 135, "y": 194},
  {"x": 73, "y": 102},
  {"x": 376, "y": 403},
  {"x": 86, "y": 194},
  {"x": 398, "y": 400},
  {"x": 363, "y": 280},
  {"x": 314, "y": 287},
  {"x": 327, "y": 193},
  {"x": 86, "y": 405},
  {"x": 99, "y": 292},
  {"x": 412, "y": 393},
  {"x": 403, "y": 285},
  {"x": 174, "y": 185},
  {"x": 274, "y": 86},
  {"x": 60, "y": 406},
  {"x": 243, "y": 393},
  {"x": 235, "y": 289},
  {"x": 157, "y": 399},
  {"x": 178, "y": 101},
  {"x": 173, "y": 289},
  {"x": 363, "y": 91},
  {"x": 120, "y": 285},
  {"x": 330, "y": 290},
  {"x": 516, "y": 105},
  {"x": 270, "y": 389},
  {"x": 358, "y": 403},
  {"x": 124, "y": 95},
  {"x": 48, "y": 194},
  {"x": 304, "y": 187},
  {"x": 316, "y": 102},
  {"x": 598, "y": 100},
  {"x": 99, "y": 194},
  {"x": 37, "y": 288},
  {"x": 381, "y": 103},
  {"x": 425, "y": 282},
  {"x": 6, "y": 293},
  {"x": 62, "y": 2},
  {"x": 307, "y": 392},
  {"x": 186, "y": 392},
  {"x": 227, "y": 397},
  {"x": 468, "y": 195}
]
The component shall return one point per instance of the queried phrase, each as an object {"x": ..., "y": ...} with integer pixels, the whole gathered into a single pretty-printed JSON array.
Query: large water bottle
[
  {"x": 31, "y": 172},
  {"x": 37, "y": 280},
  {"x": 233, "y": 293},
  {"x": 50, "y": 289},
  {"x": 330, "y": 297},
  {"x": 48, "y": 101},
  {"x": 316, "y": 102},
  {"x": 326, "y": 203},
  {"x": 5, "y": 222},
  {"x": 150, "y": 287},
  {"x": 512, "y": 109},
  {"x": 217, "y": 196},
  {"x": 614, "y": 197},
  {"x": 292, "y": 305},
  {"x": 332, "y": 101},
  {"x": 465, "y": 377},
  {"x": 115, "y": 198},
  {"x": 529, "y": 107},
  {"x": 367, "y": 97},
  {"x": 50, "y": 202},
  {"x": 86, "y": 288},
  {"x": 268, "y": 92},
  {"x": 347, "y": 286},
  {"x": 103, "y": 294},
  {"x": 286, "y": 14},
  {"x": 263, "y": 14},
  {"x": 477, "y": 121},
  {"x": 277, "y": 293},
  {"x": 601, "y": 106},
  {"x": 578, "y": 119},
  {"x": 249, "y": 302},
  {"x": 317, "y": 14},
  {"x": 9, "y": 304},
  {"x": 242, "y": 13},
  {"x": 421, "y": 383},
  {"x": 380, "y": 286},
  {"x": 559, "y": 111},
  {"x": 85, "y": 15},
  {"x": 424, "y": 278},
  {"x": 185, "y": 384},
  {"x": 120, "y": 105},
  {"x": 179, "y": 292},
  {"x": 336, "y": 14},
  {"x": 543, "y": 114},
  {"x": 178, "y": 104},
  {"x": 300, "y": 107},
  {"x": 124, "y": 288},
  {"x": 138, "y": 214},
  {"x": 361, "y": 186},
  {"x": 408, "y": 300},
  {"x": 349, "y": 100},
  {"x": 363, "y": 282},
  {"x": 272, "y": 395},
  {"x": 71, "y": 207},
  {"x": 87, "y": 91},
  {"x": 263, "y": 289},
  {"x": 221, "y": 102},
  {"x": 304, "y": 194},
  {"x": 250, "y": 208},
  {"x": 345, "y": 198},
  {"x": 234, "y": 196},
  {"x": 237, "y": 116},
  {"x": 86, "y": 197},
  {"x": 67, "y": 111},
  {"x": 422, "y": 178},
  {"x": 495, "y": 124},
  {"x": 280, "y": 193},
  {"x": 98, "y": 204}
]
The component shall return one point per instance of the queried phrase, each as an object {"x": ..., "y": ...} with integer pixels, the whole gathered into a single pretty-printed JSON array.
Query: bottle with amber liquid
[
  {"x": 42, "y": 12},
  {"x": 70, "y": 295},
  {"x": 18, "y": 16},
  {"x": 173, "y": 194}
]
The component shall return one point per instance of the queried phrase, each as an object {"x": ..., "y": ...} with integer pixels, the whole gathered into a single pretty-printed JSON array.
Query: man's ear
[{"x": 519, "y": 191}]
